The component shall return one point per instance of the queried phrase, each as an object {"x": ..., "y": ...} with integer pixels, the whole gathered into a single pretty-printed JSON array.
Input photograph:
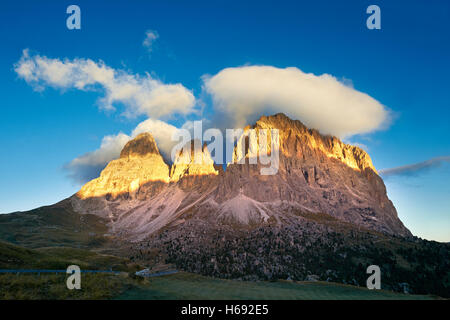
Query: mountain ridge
[{"x": 316, "y": 173}]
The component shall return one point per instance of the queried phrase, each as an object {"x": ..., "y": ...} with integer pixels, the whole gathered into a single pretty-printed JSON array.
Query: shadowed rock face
[{"x": 316, "y": 173}]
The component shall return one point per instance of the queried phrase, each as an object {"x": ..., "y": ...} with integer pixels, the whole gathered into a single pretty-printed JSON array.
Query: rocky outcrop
[
  {"x": 140, "y": 163},
  {"x": 142, "y": 146}
]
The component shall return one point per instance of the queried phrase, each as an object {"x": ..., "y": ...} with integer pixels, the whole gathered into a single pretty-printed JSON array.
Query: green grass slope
[
  {"x": 177, "y": 286},
  {"x": 55, "y": 225},
  {"x": 16, "y": 257},
  {"x": 53, "y": 286},
  {"x": 191, "y": 286}
]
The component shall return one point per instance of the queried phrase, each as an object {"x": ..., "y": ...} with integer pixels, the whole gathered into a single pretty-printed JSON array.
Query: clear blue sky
[{"x": 405, "y": 66}]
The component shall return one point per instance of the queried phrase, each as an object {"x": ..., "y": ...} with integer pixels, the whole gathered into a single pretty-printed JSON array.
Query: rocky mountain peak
[
  {"x": 140, "y": 164},
  {"x": 296, "y": 137},
  {"x": 142, "y": 145}
]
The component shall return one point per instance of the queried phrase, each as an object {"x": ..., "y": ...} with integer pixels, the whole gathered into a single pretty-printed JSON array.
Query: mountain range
[{"x": 140, "y": 193}]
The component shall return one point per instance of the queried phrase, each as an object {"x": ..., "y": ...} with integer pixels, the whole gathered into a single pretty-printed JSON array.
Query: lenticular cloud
[{"x": 322, "y": 102}]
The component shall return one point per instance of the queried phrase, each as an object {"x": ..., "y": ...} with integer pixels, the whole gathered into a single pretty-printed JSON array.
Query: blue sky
[{"x": 404, "y": 66}]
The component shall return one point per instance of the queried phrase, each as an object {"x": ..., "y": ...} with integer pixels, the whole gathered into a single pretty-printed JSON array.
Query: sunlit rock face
[
  {"x": 299, "y": 141},
  {"x": 315, "y": 174},
  {"x": 140, "y": 163},
  {"x": 193, "y": 169},
  {"x": 141, "y": 146},
  {"x": 192, "y": 160}
]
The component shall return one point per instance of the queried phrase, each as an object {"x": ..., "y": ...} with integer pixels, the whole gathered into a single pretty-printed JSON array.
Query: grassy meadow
[{"x": 195, "y": 287}]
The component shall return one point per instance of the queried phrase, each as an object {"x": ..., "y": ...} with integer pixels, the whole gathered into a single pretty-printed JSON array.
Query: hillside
[
  {"x": 55, "y": 225},
  {"x": 57, "y": 258}
]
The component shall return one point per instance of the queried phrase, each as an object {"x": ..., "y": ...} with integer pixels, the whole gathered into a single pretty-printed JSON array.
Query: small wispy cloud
[
  {"x": 150, "y": 38},
  {"x": 416, "y": 168}
]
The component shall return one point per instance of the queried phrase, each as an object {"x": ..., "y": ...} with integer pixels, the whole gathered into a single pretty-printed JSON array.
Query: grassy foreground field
[
  {"x": 191, "y": 286},
  {"x": 181, "y": 286},
  {"x": 17, "y": 257},
  {"x": 53, "y": 287},
  {"x": 125, "y": 285}
]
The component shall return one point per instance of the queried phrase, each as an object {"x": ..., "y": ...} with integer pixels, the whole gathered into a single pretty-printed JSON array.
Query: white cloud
[
  {"x": 139, "y": 94},
  {"x": 243, "y": 94},
  {"x": 109, "y": 149},
  {"x": 150, "y": 38},
  {"x": 89, "y": 165}
]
